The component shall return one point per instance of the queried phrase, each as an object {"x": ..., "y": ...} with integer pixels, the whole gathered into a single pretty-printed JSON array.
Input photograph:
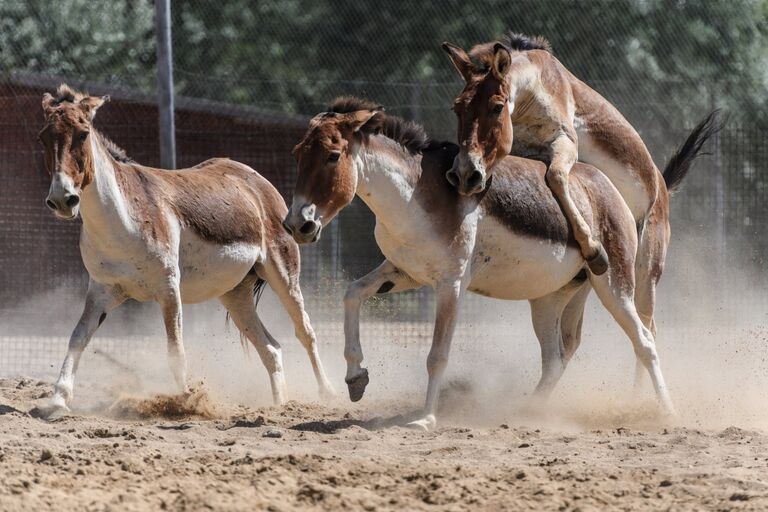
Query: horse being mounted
[
  {"x": 517, "y": 87},
  {"x": 509, "y": 241},
  {"x": 169, "y": 236}
]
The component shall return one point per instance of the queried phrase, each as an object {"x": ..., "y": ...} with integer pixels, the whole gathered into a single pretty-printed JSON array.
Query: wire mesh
[{"x": 249, "y": 74}]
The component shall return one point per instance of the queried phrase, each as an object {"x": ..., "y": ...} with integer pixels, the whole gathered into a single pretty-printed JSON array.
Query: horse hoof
[
  {"x": 424, "y": 424},
  {"x": 50, "y": 412},
  {"x": 598, "y": 263},
  {"x": 357, "y": 385}
]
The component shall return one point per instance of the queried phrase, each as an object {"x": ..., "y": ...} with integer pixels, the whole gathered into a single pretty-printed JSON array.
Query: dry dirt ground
[{"x": 187, "y": 453}]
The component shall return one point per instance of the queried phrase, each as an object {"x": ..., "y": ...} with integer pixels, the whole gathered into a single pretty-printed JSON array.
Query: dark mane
[
  {"x": 523, "y": 43},
  {"x": 408, "y": 134},
  {"x": 114, "y": 150},
  {"x": 482, "y": 54}
]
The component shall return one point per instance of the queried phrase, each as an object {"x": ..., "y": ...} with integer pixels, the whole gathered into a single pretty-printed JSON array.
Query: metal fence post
[{"x": 165, "y": 84}]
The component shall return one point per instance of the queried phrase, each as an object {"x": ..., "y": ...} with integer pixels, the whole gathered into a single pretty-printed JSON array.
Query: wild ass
[
  {"x": 518, "y": 97},
  {"x": 169, "y": 236},
  {"x": 510, "y": 241},
  {"x": 557, "y": 118}
]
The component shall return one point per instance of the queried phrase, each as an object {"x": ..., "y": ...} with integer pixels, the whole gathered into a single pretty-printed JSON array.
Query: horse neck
[
  {"x": 103, "y": 205},
  {"x": 386, "y": 179}
]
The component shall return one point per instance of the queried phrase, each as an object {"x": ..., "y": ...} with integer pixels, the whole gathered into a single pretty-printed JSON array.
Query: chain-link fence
[{"x": 249, "y": 74}]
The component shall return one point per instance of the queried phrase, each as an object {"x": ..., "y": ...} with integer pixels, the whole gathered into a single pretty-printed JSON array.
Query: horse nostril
[
  {"x": 307, "y": 228},
  {"x": 72, "y": 201},
  {"x": 452, "y": 178},
  {"x": 475, "y": 179},
  {"x": 50, "y": 204}
]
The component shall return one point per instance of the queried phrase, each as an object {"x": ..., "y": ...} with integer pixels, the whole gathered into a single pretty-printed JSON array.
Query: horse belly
[
  {"x": 127, "y": 265},
  {"x": 425, "y": 260},
  {"x": 210, "y": 270},
  {"x": 628, "y": 181},
  {"x": 509, "y": 266}
]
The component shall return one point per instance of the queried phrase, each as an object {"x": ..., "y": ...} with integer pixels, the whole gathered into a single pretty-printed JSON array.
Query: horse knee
[
  {"x": 352, "y": 296},
  {"x": 557, "y": 179},
  {"x": 436, "y": 363}
]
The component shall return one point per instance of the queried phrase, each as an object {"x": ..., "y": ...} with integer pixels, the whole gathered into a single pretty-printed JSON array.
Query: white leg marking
[
  {"x": 99, "y": 301},
  {"x": 239, "y": 303}
]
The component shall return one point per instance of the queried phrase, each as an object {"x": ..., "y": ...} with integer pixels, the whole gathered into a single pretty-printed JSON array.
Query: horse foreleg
[
  {"x": 170, "y": 303},
  {"x": 99, "y": 301},
  {"x": 386, "y": 278},
  {"x": 448, "y": 296},
  {"x": 564, "y": 153}
]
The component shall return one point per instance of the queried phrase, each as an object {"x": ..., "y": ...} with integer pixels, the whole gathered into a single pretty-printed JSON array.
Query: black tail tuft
[{"x": 680, "y": 163}]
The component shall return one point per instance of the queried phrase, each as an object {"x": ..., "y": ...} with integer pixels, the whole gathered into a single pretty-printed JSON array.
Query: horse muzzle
[
  {"x": 467, "y": 181},
  {"x": 63, "y": 200},
  {"x": 302, "y": 225}
]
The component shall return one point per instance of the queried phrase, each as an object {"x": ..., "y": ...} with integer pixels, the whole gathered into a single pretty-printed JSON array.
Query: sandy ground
[{"x": 192, "y": 453}]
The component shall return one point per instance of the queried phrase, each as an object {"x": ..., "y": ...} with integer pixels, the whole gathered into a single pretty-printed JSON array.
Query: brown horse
[
  {"x": 173, "y": 237},
  {"x": 510, "y": 241},
  {"x": 518, "y": 97},
  {"x": 557, "y": 118}
]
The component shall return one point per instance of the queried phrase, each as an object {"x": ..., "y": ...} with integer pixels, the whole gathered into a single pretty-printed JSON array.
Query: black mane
[
  {"x": 115, "y": 151},
  {"x": 522, "y": 42},
  {"x": 408, "y": 134}
]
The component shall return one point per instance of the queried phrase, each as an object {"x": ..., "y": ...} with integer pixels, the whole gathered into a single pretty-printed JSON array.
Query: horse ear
[
  {"x": 502, "y": 59},
  {"x": 92, "y": 103},
  {"x": 48, "y": 102},
  {"x": 356, "y": 120},
  {"x": 460, "y": 60}
]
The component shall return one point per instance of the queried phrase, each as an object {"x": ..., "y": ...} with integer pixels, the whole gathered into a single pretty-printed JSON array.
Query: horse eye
[
  {"x": 498, "y": 108},
  {"x": 82, "y": 136},
  {"x": 334, "y": 157}
]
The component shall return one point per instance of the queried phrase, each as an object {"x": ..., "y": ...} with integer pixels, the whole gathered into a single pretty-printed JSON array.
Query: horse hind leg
[
  {"x": 239, "y": 304},
  {"x": 282, "y": 274},
  {"x": 547, "y": 314},
  {"x": 649, "y": 266},
  {"x": 615, "y": 290},
  {"x": 572, "y": 320}
]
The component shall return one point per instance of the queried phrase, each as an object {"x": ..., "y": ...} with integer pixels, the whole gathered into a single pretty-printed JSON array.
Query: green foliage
[{"x": 104, "y": 41}]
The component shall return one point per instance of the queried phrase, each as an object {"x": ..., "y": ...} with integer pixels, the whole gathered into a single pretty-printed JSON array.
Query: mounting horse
[
  {"x": 510, "y": 241},
  {"x": 169, "y": 236},
  {"x": 519, "y": 98}
]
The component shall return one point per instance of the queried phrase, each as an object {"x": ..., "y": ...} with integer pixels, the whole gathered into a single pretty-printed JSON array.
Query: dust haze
[{"x": 712, "y": 339}]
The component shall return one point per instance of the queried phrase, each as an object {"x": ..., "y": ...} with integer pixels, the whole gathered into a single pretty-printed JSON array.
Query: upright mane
[
  {"x": 114, "y": 150},
  {"x": 523, "y": 43},
  {"x": 482, "y": 54},
  {"x": 66, "y": 94},
  {"x": 408, "y": 134}
]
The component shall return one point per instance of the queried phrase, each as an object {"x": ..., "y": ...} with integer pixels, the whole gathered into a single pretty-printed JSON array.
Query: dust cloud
[{"x": 712, "y": 339}]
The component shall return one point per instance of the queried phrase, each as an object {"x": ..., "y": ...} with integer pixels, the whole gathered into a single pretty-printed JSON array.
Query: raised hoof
[
  {"x": 424, "y": 424},
  {"x": 598, "y": 264},
  {"x": 357, "y": 385}
]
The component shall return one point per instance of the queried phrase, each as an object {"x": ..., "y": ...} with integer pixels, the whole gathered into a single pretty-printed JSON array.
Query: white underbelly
[
  {"x": 625, "y": 179},
  {"x": 426, "y": 259},
  {"x": 206, "y": 270},
  {"x": 210, "y": 270},
  {"x": 509, "y": 266}
]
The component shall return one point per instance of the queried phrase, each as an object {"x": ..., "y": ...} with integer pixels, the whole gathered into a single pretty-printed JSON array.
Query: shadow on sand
[{"x": 333, "y": 426}]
